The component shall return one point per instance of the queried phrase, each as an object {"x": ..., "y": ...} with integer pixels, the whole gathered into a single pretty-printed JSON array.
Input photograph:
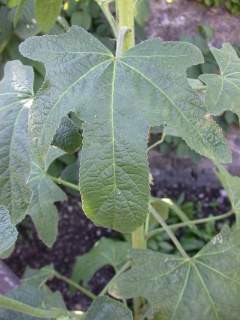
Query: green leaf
[
  {"x": 26, "y": 24},
  {"x": 231, "y": 185},
  {"x": 83, "y": 76},
  {"x": 142, "y": 11},
  {"x": 105, "y": 252},
  {"x": 205, "y": 286},
  {"x": 104, "y": 308},
  {"x": 68, "y": 136},
  {"x": 223, "y": 90},
  {"x": 8, "y": 233},
  {"x": 160, "y": 206},
  {"x": 47, "y": 12},
  {"x": 33, "y": 292},
  {"x": 82, "y": 19},
  {"x": 42, "y": 209},
  {"x": 15, "y": 100},
  {"x": 13, "y": 3}
]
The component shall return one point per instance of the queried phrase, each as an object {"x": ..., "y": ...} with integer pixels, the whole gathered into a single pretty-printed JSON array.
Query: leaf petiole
[
  {"x": 65, "y": 183},
  {"x": 169, "y": 231},
  {"x": 190, "y": 222}
]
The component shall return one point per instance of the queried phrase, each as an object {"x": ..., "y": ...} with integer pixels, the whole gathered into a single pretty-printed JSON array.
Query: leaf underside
[
  {"x": 203, "y": 287},
  {"x": 118, "y": 100}
]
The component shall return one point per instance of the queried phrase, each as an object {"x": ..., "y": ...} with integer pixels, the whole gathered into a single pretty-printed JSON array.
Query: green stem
[
  {"x": 125, "y": 14},
  {"x": 123, "y": 269},
  {"x": 169, "y": 232},
  {"x": 76, "y": 285},
  {"x": 157, "y": 143},
  {"x": 65, "y": 183},
  {"x": 104, "y": 5},
  {"x": 13, "y": 305},
  {"x": 190, "y": 222}
]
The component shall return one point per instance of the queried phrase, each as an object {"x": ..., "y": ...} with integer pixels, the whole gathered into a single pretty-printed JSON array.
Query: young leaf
[
  {"x": 118, "y": 99},
  {"x": 105, "y": 252},
  {"x": 42, "y": 208},
  {"x": 206, "y": 285},
  {"x": 104, "y": 308},
  {"x": 47, "y": 12},
  {"x": 68, "y": 136},
  {"x": 8, "y": 233},
  {"x": 223, "y": 90},
  {"x": 16, "y": 95}
]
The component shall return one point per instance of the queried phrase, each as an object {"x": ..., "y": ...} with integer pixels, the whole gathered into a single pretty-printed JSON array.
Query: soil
[{"x": 170, "y": 20}]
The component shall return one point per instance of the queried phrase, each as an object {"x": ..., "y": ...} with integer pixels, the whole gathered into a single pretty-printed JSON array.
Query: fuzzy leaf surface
[
  {"x": 104, "y": 308},
  {"x": 203, "y": 287},
  {"x": 15, "y": 100},
  {"x": 223, "y": 90},
  {"x": 118, "y": 99},
  {"x": 8, "y": 232}
]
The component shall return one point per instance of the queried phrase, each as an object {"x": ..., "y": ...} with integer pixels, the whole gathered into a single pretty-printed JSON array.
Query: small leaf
[
  {"x": 42, "y": 209},
  {"x": 47, "y": 12},
  {"x": 68, "y": 136},
  {"x": 223, "y": 90},
  {"x": 15, "y": 100},
  {"x": 8, "y": 233},
  {"x": 150, "y": 77},
  {"x": 105, "y": 252},
  {"x": 104, "y": 308},
  {"x": 206, "y": 285}
]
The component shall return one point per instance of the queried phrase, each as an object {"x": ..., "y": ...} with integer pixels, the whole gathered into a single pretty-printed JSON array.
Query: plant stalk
[
  {"x": 13, "y": 305},
  {"x": 65, "y": 183},
  {"x": 190, "y": 222},
  {"x": 76, "y": 285},
  {"x": 169, "y": 232}
]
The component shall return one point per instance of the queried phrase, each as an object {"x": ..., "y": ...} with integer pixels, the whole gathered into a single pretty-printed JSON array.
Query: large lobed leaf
[
  {"x": 38, "y": 196},
  {"x": 118, "y": 99},
  {"x": 16, "y": 96},
  {"x": 223, "y": 90},
  {"x": 203, "y": 287}
]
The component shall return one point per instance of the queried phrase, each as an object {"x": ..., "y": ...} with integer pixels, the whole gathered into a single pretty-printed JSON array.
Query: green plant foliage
[
  {"x": 68, "y": 136},
  {"x": 171, "y": 284},
  {"x": 15, "y": 194},
  {"x": 105, "y": 252},
  {"x": 224, "y": 89},
  {"x": 35, "y": 293},
  {"x": 15, "y": 100},
  {"x": 8, "y": 233},
  {"x": 117, "y": 188},
  {"x": 47, "y": 12},
  {"x": 105, "y": 308},
  {"x": 41, "y": 208}
]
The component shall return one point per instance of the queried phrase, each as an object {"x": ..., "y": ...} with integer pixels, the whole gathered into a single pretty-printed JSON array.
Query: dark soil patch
[
  {"x": 172, "y": 20},
  {"x": 77, "y": 235}
]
